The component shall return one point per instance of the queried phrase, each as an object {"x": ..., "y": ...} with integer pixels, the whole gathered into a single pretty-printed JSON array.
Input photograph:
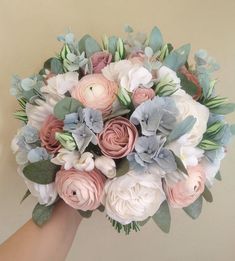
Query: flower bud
[
  {"x": 106, "y": 165},
  {"x": 124, "y": 97},
  {"x": 66, "y": 140}
]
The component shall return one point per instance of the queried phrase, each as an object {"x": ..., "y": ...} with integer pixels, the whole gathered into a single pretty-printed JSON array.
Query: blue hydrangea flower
[
  {"x": 73, "y": 120},
  {"x": 93, "y": 119},
  {"x": 38, "y": 154}
]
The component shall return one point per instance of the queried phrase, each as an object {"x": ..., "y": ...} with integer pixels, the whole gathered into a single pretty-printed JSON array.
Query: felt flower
[
  {"x": 117, "y": 138},
  {"x": 96, "y": 92},
  {"x": 79, "y": 189},
  {"x": 141, "y": 95},
  {"x": 106, "y": 165},
  {"x": 85, "y": 162},
  {"x": 47, "y": 134},
  {"x": 133, "y": 197},
  {"x": 99, "y": 60}
]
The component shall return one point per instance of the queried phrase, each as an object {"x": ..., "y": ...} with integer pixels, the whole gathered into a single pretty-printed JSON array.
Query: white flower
[
  {"x": 186, "y": 107},
  {"x": 106, "y": 165},
  {"x": 129, "y": 75},
  {"x": 212, "y": 168},
  {"x": 45, "y": 194},
  {"x": 85, "y": 162},
  {"x": 61, "y": 83},
  {"x": 133, "y": 197},
  {"x": 14, "y": 145},
  {"x": 164, "y": 72},
  {"x": 188, "y": 154},
  {"x": 66, "y": 158}
]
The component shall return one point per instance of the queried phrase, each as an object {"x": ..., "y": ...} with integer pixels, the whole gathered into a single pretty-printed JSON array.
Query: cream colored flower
[
  {"x": 165, "y": 72},
  {"x": 106, "y": 165},
  {"x": 85, "y": 162}
]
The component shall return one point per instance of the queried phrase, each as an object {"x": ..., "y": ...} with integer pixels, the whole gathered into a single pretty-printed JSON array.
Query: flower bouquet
[{"x": 128, "y": 127}]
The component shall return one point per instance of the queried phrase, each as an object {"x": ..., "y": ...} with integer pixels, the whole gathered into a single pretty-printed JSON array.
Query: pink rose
[
  {"x": 118, "y": 138},
  {"x": 185, "y": 192},
  {"x": 47, "y": 134},
  {"x": 141, "y": 95},
  {"x": 96, "y": 92},
  {"x": 137, "y": 57},
  {"x": 100, "y": 60},
  {"x": 191, "y": 77},
  {"x": 80, "y": 190}
]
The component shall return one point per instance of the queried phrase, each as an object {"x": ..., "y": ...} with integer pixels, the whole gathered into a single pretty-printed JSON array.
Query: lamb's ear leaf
[
  {"x": 163, "y": 217},
  {"x": 42, "y": 213},
  {"x": 194, "y": 210}
]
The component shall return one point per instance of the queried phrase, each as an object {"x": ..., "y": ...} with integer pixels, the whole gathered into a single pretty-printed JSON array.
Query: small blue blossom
[
  {"x": 37, "y": 154},
  {"x": 93, "y": 119}
]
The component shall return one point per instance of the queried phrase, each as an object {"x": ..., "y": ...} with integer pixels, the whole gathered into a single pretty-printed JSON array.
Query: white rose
[
  {"x": 85, "y": 162},
  {"x": 45, "y": 194},
  {"x": 66, "y": 158},
  {"x": 189, "y": 107},
  {"x": 133, "y": 197},
  {"x": 165, "y": 72},
  {"x": 212, "y": 168},
  {"x": 106, "y": 165}
]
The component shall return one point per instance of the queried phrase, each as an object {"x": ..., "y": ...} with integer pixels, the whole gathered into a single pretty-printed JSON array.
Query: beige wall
[{"x": 27, "y": 37}]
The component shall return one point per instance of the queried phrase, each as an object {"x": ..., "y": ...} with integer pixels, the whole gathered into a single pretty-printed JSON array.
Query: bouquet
[{"x": 127, "y": 127}]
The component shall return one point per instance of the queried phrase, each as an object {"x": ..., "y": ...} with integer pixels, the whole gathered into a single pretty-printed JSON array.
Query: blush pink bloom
[
  {"x": 96, "y": 92},
  {"x": 118, "y": 138},
  {"x": 185, "y": 192},
  {"x": 141, "y": 95},
  {"x": 137, "y": 57},
  {"x": 80, "y": 190},
  {"x": 47, "y": 134},
  {"x": 100, "y": 60}
]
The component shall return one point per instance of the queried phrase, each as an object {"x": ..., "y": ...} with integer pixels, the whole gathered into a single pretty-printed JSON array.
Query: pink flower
[
  {"x": 185, "y": 192},
  {"x": 80, "y": 190},
  {"x": 137, "y": 57},
  {"x": 141, "y": 95},
  {"x": 47, "y": 134},
  {"x": 118, "y": 138},
  {"x": 100, "y": 60},
  {"x": 96, "y": 92}
]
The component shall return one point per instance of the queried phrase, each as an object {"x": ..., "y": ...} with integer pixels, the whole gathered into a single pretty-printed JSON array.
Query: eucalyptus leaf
[
  {"x": 91, "y": 46},
  {"x": 42, "y": 213},
  {"x": 66, "y": 106},
  {"x": 101, "y": 208},
  {"x": 27, "y": 193},
  {"x": 224, "y": 109},
  {"x": 182, "y": 128},
  {"x": 155, "y": 39},
  {"x": 218, "y": 176},
  {"x": 41, "y": 172},
  {"x": 118, "y": 113},
  {"x": 85, "y": 214},
  {"x": 194, "y": 210},
  {"x": 112, "y": 44},
  {"x": 122, "y": 167},
  {"x": 207, "y": 195},
  {"x": 187, "y": 85},
  {"x": 56, "y": 66},
  {"x": 81, "y": 43},
  {"x": 178, "y": 57},
  {"x": 163, "y": 217},
  {"x": 144, "y": 222}
]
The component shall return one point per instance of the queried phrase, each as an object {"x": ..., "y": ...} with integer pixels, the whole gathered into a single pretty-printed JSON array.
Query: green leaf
[
  {"x": 27, "y": 193},
  {"x": 81, "y": 43},
  {"x": 118, "y": 113},
  {"x": 41, "y": 172},
  {"x": 207, "y": 195},
  {"x": 101, "y": 208},
  {"x": 112, "y": 45},
  {"x": 163, "y": 217},
  {"x": 177, "y": 57},
  {"x": 180, "y": 164},
  {"x": 42, "y": 213},
  {"x": 232, "y": 129},
  {"x": 187, "y": 85},
  {"x": 155, "y": 39},
  {"x": 91, "y": 46},
  {"x": 206, "y": 144},
  {"x": 85, "y": 214},
  {"x": 224, "y": 109},
  {"x": 218, "y": 176},
  {"x": 66, "y": 106},
  {"x": 122, "y": 167},
  {"x": 182, "y": 128},
  {"x": 144, "y": 222},
  {"x": 56, "y": 66},
  {"x": 195, "y": 209}
]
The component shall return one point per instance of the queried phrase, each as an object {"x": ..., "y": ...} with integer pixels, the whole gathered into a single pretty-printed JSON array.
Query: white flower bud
[
  {"x": 106, "y": 165},
  {"x": 85, "y": 162}
]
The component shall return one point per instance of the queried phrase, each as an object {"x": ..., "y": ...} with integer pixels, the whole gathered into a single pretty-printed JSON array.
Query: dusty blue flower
[
  {"x": 93, "y": 119},
  {"x": 38, "y": 154},
  {"x": 73, "y": 120},
  {"x": 30, "y": 134}
]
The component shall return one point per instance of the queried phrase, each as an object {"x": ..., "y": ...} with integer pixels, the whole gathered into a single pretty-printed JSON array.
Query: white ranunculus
[
  {"x": 45, "y": 194},
  {"x": 164, "y": 72},
  {"x": 212, "y": 168},
  {"x": 129, "y": 75},
  {"x": 133, "y": 197},
  {"x": 66, "y": 158},
  {"x": 85, "y": 162},
  {"x": 60, "y": 84},
  {"x": 188, "y": 154},
  {"x": 189, "y": 107},
  {"x": 106, "y": 165}
]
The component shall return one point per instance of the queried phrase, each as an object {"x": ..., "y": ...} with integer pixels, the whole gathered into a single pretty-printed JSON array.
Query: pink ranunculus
[
  {"x": 185, "y": 192},
  {"x": 118, "y": 138},
  {"x": 100, "y": 60},
  {"x": 137, "y": 57},
  {"x": 96, "y": 92},
  {"x": 79, "y": 189},
  {"x": 141, "y": 95},
  {"x": 48, "y": 131}
]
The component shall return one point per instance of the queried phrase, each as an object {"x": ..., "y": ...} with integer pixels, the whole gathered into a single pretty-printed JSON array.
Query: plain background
[{"x": 28, "y": 31}]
